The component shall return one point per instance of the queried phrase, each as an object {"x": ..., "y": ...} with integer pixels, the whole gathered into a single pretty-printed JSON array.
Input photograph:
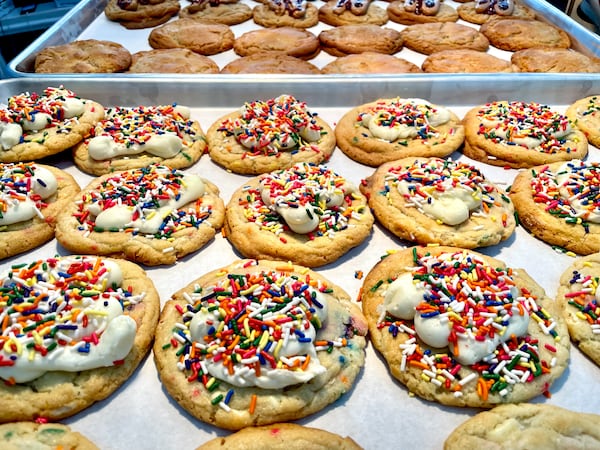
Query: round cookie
[
  {"x": 438, "y": 315},
  {"x": 521, "y": 134},
  {"x": 269, "y": 135},
  {"x": 370, "y": 62},
  {"x": 526, "y": 426},
  {"x": 518, "y": 34},
  {"x": 31, "y": 196},
  {"x": 350, "y": 39},
  {"x": 112, "y": 324},
  {"x": 225, "y": 13},
  {"x": 305, "y": 359},
  {"x": 270, "y": 62},
  {"x": 201, "y": 37},
  {"x": 391, "y": 129},
  {"x": 433, "y": 37},
  {"x": 306, "y": 214},
  {"x": 154, "y": 215},
  {"x": 468, "y": 12},
  {"x": 292, "y": 41},
  {"x": 33, "y": 435},
  {"x": 136, "y": 14},
  {"x": 553, "y": 60},
  {"x": 338, "y": 13},
  {"x": 585, "y": 114},
  {"x": 557, "y": 203},
  {"x": 132, "y": 138},
  {"x": 464, "y": 61},
  {"x": 83, "y": 56},
  {"x": 34, "y": 125},
  {"x": 398, "y": 13},
  {"x": 171, "y": 60},
  {"x": 437, "y": 201},
  {"x": 265, "y": 16}
]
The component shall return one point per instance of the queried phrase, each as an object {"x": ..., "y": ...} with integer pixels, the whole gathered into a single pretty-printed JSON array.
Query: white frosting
[
  {"x": 10, "y": 135},
  {"x": 72, "y": 107},
  {"x": 511, "y": 132},
  {"x": 164, "y": 145}
]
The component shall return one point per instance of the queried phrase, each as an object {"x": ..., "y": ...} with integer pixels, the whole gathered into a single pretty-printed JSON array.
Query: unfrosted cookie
[
  {"x": 265, "y": 15},
  {"x": 171, "y": 60},
  {"x": 83, "y": 56},
  {"x": 558, "y": 204},
  {"x": 554, "y": 60},
  {"x": 585, "y": 114},
  {"x": 225, "y": 13},
  {"x": 270, "y": 62},
  {"x": 297, "y": 344},
  {"x": 370, "y": 62},
  {"x": 281, "y": 436},
  {"x": 202, "y": 37},
  {"x": 136, "y": 14},
  {"x": 31, "y": 196},
  {"x": 94, "y": 323},
  {"x": 263, "y": 136},
  {"x": 518, "y": 34},
  {"x": 471, "y": 12},
  {"x": 399, "y": 13},
  {"x": 464, "y": 61},
  {"x": 437, "y": 201},
  {"x": 292, "y": 41},
  {"x": 521, "y": 134},
  {"x": 526, "y": 426},
  {"x": 154, "y": 215},
  {"x": 135, "y": 137},
  {"x": 42, "y": 436},
  {"x": 391, "y": 129},
  {"x": 33, "y": 125},
  {"x": 307, "y": 214},
  {"x": 340, "y": 12},
  {"x": 463, "y": 329},
  {"x": 433, "y": 37},
  {"x": 350, "y": 39}
]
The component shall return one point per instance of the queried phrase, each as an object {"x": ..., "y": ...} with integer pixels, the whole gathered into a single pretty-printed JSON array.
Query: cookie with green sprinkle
[{"x": 30, "y": 435}]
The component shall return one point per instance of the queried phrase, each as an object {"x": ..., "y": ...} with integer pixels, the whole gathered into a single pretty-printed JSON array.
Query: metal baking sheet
[
  {"x": 378, "y": 412},
  {"x": 88, "y": 21}
]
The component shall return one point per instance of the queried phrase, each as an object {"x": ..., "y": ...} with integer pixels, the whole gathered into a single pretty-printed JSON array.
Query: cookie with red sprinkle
[
  {"x": 18, "y": 435},
  {"x": 585, "y": 114}
]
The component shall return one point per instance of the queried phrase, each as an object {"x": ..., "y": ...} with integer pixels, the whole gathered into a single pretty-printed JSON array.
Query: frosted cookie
[
  {"x": 94, "y": 323},
  {"x": 306, "y": 214},
  {"x": 137, "y": 14},
  {"x": 270, "y": 62},
  {"x": 171, "y": 60},
  {"x": 433, "y": 37},
  {"x": 31, "y": 196},
  {"x": 463, "y": 329},
  {"x": 481, "y": 11},
  {"x": 437, "y": 201},
  {"x": 33, "y": 126},
  {"x": 518, "y": 34},
  {"x": 202, "y": 37},
  {"x": 132, "y": 138},
  {"x": 391, "y": 129},
  {"x": 263, "y": 136},
  {"x": 154, "y": 215},
  {"x": 585, "y": 114},
  {"x": 83, "y": 56},
  {"x": 297, "y": 344},
  {"x": 526, "y": 426},
  {"x": 409, "y": 12},
  {"x": 281, "y": 436},
  {"x": 352, "y": 12},
  {"x": 521, "y": 134},
  {"x": 33, "y": 435},
  {"x": 286, "y": 13},
  {"x": 215, "y": 11},
  {"x": 558, "y": 204},
  {"x": 351, "y": 39},
  {"x": 464, "y": 61},
  {"x": 292, "y": 41},
  {"x": 370, "y": 62},
  {"x": 553, "y": 60}
]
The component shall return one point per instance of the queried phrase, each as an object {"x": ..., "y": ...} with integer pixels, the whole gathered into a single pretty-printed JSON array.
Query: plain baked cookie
[
  {"x": 585, "y": 114},
  {"x": 398, "y": 13},
  {"x": 34, "y": 125},
  {"x": 456, "y": 327},
  {"x": 132, "y": 138},
  {"x": 338, "y": 12},
  {"x": 350, "y": 39},
  {"x": 270, "y": 62},
  {"x": 40, "y": 436},
  {"x": 292, "y": 41},
  {"x": 31, "y": 196},
  {"x": 171, "y": 60},
  {"x": 136, "y": 14},
  {"x": 202, "y": 37},
  {"x": 263, "y": 136},
  {"x": 391, "y": 129},
  {"x": 553, "y": 60},
  {"x": 437, "y": 201},
  {"x": 464, "y": 61},
  {"x": 433, "y": 37},
  {"x": 521, "y": 134},
  {"x": 370, "y": 62},
  {"x": 97, "y": 317},
  {"x": 298, "y": 344},
  {"x": 558, "y": 204},
  {"x": 468, "y": 12},
  {"x": 306, "y": 214},
  {"x": 225, "y": 13},
  {"x": 281, "y": 436},
  {"x": 154, "y": 215},
  {"x": 527, "y": 426},
  {"x": 265, "y": 16},
  {"x": 518, "y": 34}
]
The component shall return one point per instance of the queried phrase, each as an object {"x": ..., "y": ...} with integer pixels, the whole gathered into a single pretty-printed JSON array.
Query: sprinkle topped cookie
[{"x": 585, "y": 114}]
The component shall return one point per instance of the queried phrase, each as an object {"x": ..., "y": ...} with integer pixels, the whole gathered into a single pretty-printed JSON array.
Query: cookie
[
  {"x": 292, "y": 41},
  {"x": 33, "y": 126},
  {"x": 557, "y": 204},
  {"x": 270, "y": 62},
  {"x": 136, "y": 14},
  {"x": 454, "y": 336},
  {"x": 154, "y": 215},
  {"x": 281, "y": 436},
  {"x": 370, "y": 62},
  {"x": 306, "y": 358},
  {"x": 428, "y": 38},
  {"x": 171, "y": 60},
  {"x": 391, "y": 129},
  {"x": 553, "y": 60},
  {"x": 464, "y": 61},
  {"x": 521, "y": 134},
  {"x": 83, "y": 56},
  {"x": 205, "y": 38},
  {"x": 286, "y": 14},
  {"x": 399, "y": 12},
  {"x": 307, "y": 214},
  {"x": 349, "y": 39},
  {"x": 270, "y": 135},
  {"x": 437, "y": 201},
  {"x": 132, "y": 138},
  {"x": 352, "y": 12},
  {"x": 31, "y": 196},
  {"x": 95, "y": 320},
  {"x": 526, "y": 426},
  {"x": 585, "y": 114},
  {"x": 23, "y": 435},
  {"x": 481, "y": 12},
  {"x": 518, "y": 34},
  {"x": 225, "y": 13}
]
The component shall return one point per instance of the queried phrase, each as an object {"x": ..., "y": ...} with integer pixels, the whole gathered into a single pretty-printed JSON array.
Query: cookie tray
[
  {"x": 377, "y": 412},
  {"x": 88, "y": 21}
]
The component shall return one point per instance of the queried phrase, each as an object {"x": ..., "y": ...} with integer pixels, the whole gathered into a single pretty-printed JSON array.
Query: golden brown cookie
[
  {"x": 154, "y": 215},
  {"x": 135, "y": 14},
  {"x": 468, "y": 12},
  {"x": 399, "y": 14},
  {"x": 265, "y": 16},
  {"x": 83, "y": 56},
  {"x": 350, "y": 39},
  {"x": 335, "y": 15},
  {"x": 269, "y": 135},
  {"x": 306, "y": 358},
  {"x": 464, "y": 61},
  {"x": 557, "y": 204},
  {"x": 132, "y": 138},
  {"x": 521, "y": 134},
  {"x": 270, "y": 62},
  {"x": 463, "y": 329},
  {"x": 292, "y": 41},
  {"x": 433, "y": 37},
  {"x": 225, "y": 13},
  {"x": 518, "y": 34},
  {"x": 391, "y": 129},
  {"x": 370, "y": 62},
  {"x": 553, "y": 60},
  {"x": 97, "y": 317},
  {"x": 30, "y": 435},
  {"x": 437, "y": 201},
  {"x": 171, "y": 60},
  {"x": 199, "y": 36},
  {"x": 585, "y": 114}
]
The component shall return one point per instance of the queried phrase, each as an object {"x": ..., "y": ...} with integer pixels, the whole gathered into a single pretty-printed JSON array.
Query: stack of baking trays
[{"x": 182, "y": 395}]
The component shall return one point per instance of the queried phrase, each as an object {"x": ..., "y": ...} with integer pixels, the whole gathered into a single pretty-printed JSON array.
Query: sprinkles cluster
[
  {"x": 584, "y": 298},
  {"x": 16, "y": 185}
]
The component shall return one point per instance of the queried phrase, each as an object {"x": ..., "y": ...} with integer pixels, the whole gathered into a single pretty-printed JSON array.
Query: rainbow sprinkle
[{"x": 16, "y": 185}]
